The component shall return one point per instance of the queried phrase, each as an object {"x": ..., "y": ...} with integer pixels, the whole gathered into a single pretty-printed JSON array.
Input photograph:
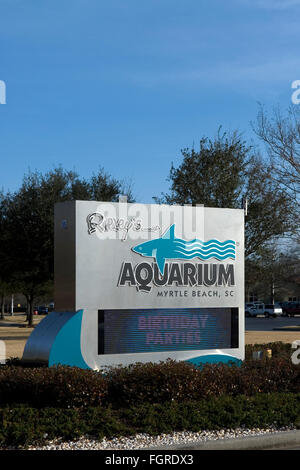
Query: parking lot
[
  {"x": 268, "y": 324},
  {"x": 261, "y": 330}
]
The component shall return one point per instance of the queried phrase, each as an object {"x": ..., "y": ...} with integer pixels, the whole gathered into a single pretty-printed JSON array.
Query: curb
[{"x": 264, "y": 442}]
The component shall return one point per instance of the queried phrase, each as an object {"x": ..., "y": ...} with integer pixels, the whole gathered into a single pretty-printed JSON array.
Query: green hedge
[
  {"x": 23, "y": 425},
  {"x": 70, "y": 387},
  {"x": 40, "y": 403},
  {"x": 66, "y": 387},
  {"x": 179, "y": 381}
]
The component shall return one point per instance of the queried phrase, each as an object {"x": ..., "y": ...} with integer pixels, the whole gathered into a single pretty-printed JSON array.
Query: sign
[
  {"x": 145, "y": 283},
  {"x": 146, "y": 330}
]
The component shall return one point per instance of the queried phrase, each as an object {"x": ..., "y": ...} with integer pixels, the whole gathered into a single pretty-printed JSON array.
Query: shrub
[
  {"x": 169, "y": 380},
  {"x": 279, "y": 349},
  {"x": 22, "y": 425},
  {"x": 70, "y": 387},
  {"x": 56, "y": 386}
]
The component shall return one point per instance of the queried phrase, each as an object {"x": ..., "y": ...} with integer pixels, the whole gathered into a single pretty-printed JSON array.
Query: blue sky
[{"x": 126, "y": 84}]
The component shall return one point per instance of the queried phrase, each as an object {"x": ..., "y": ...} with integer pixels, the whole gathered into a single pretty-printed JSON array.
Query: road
[{"x": 260, "y": 323}]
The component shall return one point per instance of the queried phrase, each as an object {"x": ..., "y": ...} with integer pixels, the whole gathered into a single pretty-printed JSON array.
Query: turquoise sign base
[
  {"x": 66, "y": 348},
  {"x": 215, "y": 359}
]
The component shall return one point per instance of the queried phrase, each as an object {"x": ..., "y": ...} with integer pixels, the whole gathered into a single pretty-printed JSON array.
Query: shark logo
[{"x": 170, "y": 247}]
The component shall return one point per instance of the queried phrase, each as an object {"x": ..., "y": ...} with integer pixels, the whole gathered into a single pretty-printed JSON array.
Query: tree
[
  {"x": 213, "y": 176},
  {"x": 221, "y": 174},
  {"x": 281, "y": 136},
  {"x": 6, "y": 284},
  {"x": 28, "y": 218},
  {"x": 5, "y": 289},
  {"x": 290, "y": 261},
  {"x": 271, "y": 211},
  {"x": 274, "y": 272}
]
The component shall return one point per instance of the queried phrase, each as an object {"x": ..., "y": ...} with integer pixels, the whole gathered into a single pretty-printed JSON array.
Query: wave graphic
[
  {"x": 200, "y": 244},
  {"x": 204, "y": 250},
  {"x": 196, "y": 240},
  {"x": 198, "y": 254}
]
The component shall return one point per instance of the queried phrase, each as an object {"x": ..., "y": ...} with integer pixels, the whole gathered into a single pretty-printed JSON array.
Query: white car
[
  {"x": 253, "y": 309},
  {"x": 272, "y": 310}
]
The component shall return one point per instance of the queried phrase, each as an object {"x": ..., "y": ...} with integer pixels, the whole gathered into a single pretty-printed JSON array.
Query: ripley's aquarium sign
[{"x": 144, "y": 283}]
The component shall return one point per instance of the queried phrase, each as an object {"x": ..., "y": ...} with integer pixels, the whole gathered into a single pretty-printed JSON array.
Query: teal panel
[
  {"x": 66, "y": 348},
  {"x": 215, "y": 359}
]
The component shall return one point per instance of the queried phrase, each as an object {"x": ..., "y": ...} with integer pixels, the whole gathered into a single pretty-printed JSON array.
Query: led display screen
[{"x": 152, "y": 330}]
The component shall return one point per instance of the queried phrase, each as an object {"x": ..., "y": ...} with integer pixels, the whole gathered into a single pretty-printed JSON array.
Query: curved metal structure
[{"x": 56, "y": 340}]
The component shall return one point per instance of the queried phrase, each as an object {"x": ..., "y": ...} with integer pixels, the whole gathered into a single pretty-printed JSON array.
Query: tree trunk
[
  {"x": 29, "y": 309},
  {"x": 247, "y": 293},
  {"x": 2, "y": 306},
  {"x": 272, "y": 290}
]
